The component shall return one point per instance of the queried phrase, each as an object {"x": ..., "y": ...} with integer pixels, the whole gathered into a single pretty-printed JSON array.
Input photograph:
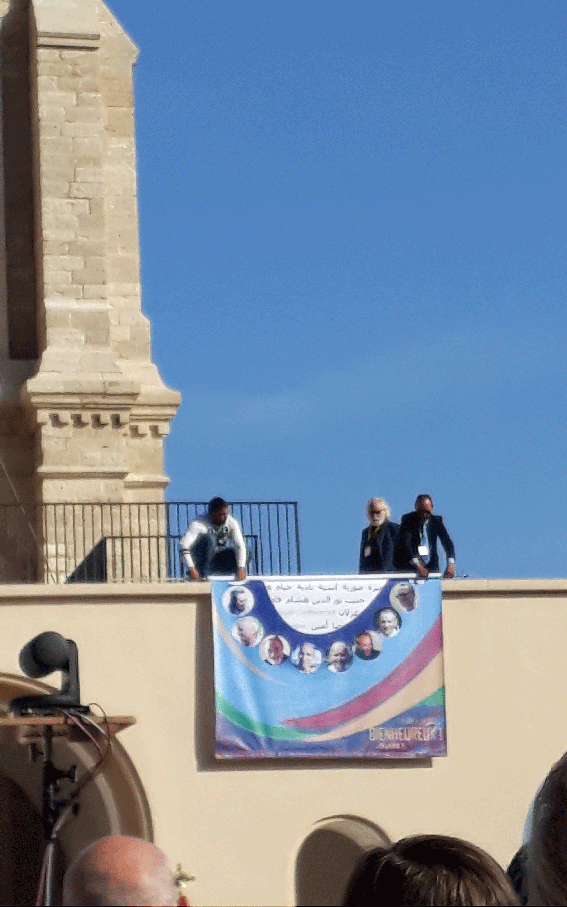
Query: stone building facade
[{"x": 83, "y": 409}]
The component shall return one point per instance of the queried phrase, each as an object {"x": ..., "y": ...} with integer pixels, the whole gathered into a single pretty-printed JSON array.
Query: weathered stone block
[
  {"x": 45, "y": 82},
  {"x": 120, "y": 121},
  {"x": 57, "y": 99},
  {"x": 53, "y": 69},
  {"x": 89, "y": 99},
  {"x": 55, "y": 248},
  {"x": 79, "y": 83},
  {"x": 89, "y": 276},
  {"x": 117, "y": 97},
  {"x": 82, "y": 114},
  {"x": 90, "y": 226},
  {"x": 81, "y": 130},
  {"x": 89, "y": 173},
  {"x": 98, "y": 338},
  {"x": 123, "y": 267},
  {"x": 87, "y": 148},
  {"x": 57, "y": 293},
  {"x": 65, "y": 262},
  {"x": 58, "y": 166},
  {"x": 120, "y": 333},
  {"x": 59, "y": 233},
  {"x": 56, "y": 278},
  {"x": 48, "y": 55},
  {"x": 86, "y": 190},
  {"x": 86, "y": 247},
  {"x": 53, "y": 145},
  {"x": 51, "y": 130},
  {"x": 52, "y": 114},
  {"x": 94, "y": 291},
  {"x": 54, "y": 187},
  {"x": 63, "y": 207},
  {"x": 129, "y": 294}
]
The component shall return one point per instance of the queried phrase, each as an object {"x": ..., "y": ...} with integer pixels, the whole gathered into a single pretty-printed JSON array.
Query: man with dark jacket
[
  {"x": 416, "y": 550},
  {"x": 378, "y": 539}
]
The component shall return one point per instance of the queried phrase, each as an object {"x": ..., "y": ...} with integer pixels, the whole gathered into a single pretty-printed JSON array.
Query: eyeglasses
[{"x": 376, "y": 511}]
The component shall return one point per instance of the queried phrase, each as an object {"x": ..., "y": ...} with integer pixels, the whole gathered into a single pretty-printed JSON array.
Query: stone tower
[{"x": 83, "y": 410}]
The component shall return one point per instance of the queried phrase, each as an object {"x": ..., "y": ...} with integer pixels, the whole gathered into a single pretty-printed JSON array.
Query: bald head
[{"x": 120, "y": 871}]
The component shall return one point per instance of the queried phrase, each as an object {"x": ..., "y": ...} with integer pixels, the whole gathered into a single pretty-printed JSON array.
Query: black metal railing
[{"x": 134, "y": 542}]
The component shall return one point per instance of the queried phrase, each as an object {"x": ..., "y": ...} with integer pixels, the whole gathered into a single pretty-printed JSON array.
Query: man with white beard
[{"x": 378, "y": 539}]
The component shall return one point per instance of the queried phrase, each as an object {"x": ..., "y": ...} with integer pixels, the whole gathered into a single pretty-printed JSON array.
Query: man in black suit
[
  {"x": 378, "y": 539},
  {"x": 416, "y": 549}
]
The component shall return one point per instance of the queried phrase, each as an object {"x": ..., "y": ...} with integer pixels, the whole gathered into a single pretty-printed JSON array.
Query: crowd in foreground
[{"x": 420, "y": 870}]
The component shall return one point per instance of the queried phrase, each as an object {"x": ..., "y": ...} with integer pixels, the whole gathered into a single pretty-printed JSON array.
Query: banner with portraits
[{"x": 329, "y": 666}]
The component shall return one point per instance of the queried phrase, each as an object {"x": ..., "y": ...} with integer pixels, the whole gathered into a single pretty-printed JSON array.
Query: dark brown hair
[
  {"x": 216, "y": 504},
  {"x": 547, "y": 847},
  {"x": 429, "y": 870}
]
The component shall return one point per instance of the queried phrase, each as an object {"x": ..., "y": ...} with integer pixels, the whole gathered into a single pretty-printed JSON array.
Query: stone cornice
[
  {"x": 68, "y": 40},
  {"x": 134, "y": 481},
  {"x": 70, "y": 472}
]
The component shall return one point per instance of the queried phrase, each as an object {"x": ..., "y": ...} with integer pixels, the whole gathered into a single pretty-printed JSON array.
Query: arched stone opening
[
  {"x": 113, "y": 803},
  {"x": 328, "y": 856}
]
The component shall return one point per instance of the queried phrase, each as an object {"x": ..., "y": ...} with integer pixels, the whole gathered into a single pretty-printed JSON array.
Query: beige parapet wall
[{"x": 145, "y": 650}]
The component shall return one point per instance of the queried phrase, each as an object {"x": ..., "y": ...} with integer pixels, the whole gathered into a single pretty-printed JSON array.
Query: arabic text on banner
[{"x": 333, "y": 666}]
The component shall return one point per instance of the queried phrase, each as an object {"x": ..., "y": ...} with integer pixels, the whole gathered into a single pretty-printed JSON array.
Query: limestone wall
[
  {"x": 83, "y": 409},
  {"x": 69, "y": 264}
]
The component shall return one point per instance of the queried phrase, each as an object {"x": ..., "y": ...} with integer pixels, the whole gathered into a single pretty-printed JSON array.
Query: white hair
[{"x": 383, "y": 503}]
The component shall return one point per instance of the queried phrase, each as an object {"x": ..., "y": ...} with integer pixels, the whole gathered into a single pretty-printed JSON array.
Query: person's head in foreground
[
  {"x": 547, "y": 847},
  {"x": 119, "y": 870},
  {"x": 429, "y": 870}
]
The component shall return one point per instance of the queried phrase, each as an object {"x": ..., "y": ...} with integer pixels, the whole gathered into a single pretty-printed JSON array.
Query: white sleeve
[
  {"x": 194, "y": 530},
  {"x": 238, "y": 541}
]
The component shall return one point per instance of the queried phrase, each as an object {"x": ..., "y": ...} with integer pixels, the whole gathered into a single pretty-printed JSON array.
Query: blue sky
[{"x": 354, "y": 261}]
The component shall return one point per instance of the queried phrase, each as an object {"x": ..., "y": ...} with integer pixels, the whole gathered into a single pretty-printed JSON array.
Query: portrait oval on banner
[
  {"x": 367, "y": 645},
  {"x": 274, "y": 649},
  {"x": 339, "y": 657},
  {"x": 404, "y": 597},
  {"x": 388, "y": 622},
  {"x": 307, "y": 658},
  {"x": 238, "y": 600},
  {"x": 248, "y": 631}
]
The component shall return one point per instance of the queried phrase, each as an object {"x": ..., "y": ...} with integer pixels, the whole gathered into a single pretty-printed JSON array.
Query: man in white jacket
[{"x": 214, "y": 544}]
